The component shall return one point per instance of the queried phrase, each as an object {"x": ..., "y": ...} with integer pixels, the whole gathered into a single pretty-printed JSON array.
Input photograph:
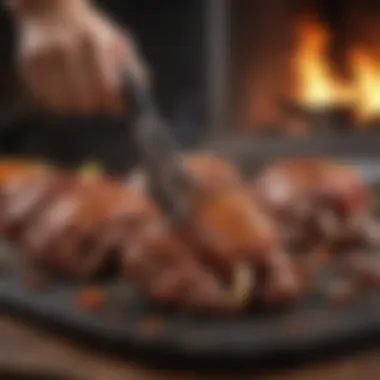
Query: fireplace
[
  {"x": 263, "y": 67},
  {"x": 300, "y": 67},
  {"x": 170, "y": 33}
]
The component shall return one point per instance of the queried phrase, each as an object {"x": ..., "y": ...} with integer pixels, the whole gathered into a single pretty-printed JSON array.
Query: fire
[
  {"x": 367, "y": 74},
  {"x": 318, "y": 87},
  {"x": 321, "y": 88}
]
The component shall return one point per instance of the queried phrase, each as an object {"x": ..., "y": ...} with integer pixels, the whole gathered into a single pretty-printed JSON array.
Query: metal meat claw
[{"x": 160, "y": 153}]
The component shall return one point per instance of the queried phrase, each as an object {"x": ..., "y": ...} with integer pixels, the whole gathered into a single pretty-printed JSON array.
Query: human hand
[{"x": 71, "y": 56}]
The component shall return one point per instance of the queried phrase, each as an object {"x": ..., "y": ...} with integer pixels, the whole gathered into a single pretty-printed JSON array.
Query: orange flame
[
  {"x": 319, "y": 87},
  {"x": 367, "y": 86}
]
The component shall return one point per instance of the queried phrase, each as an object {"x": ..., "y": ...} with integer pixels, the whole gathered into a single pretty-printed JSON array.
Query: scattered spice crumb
[
  {"x": 116, "y": 314},
  {"x": 152, "y": 326},
  {"x": 3, "y": 266},
  {"x": 290, "y": 324},
  {"x": 91, "y": 299},
  {"x": 341, "y": 293},
  {"x": 35, "y": 280},
  {"x": 322, "y": 254},
  {"x": 4, "y": 261}
]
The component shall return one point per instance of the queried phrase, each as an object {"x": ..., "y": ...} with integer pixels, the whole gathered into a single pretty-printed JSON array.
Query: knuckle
[
  {"x": 59, "y": 105},
  {"x": 85, "y": 102},
  {"x": 108, "y": 94},
  {"x": 46, "y": 49},
  {"x": 89, "y": 42},
  {"x": 56, "y": 48},
  {"x": 64, "y": 46},
  {"x": 30, "y": 57}
]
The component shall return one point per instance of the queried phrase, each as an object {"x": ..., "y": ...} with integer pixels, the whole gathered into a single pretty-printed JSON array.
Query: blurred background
[
  {"x": 170, "y": 34},
  {"x": 302, "y": 66},
  {"x": 268, "y": 67}
]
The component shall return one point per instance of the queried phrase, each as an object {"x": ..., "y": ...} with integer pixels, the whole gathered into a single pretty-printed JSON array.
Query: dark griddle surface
[{"x": 312, "y": 328}]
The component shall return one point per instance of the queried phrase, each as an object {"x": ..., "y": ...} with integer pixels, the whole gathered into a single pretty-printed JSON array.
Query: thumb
[{"x": 134, "y": 59}]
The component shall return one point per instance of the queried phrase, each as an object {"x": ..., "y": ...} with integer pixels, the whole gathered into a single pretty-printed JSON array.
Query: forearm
[{"x": 22, "y": 8}]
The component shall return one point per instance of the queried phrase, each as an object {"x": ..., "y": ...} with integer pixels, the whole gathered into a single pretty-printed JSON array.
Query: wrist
[{"x": 37, "y": 8}]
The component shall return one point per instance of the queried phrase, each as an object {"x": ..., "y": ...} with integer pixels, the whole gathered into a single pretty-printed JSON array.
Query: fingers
[
  {"x": 43, "y": 73},
  {"x": 79, "y": 75},
  {"x": 133, "y": 59},
  {"x": 105, "y": 60},
  {"x": 102, "y": 74}
]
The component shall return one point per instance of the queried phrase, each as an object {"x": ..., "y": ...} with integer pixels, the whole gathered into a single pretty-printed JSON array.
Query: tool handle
[{"x": 159, "y": 152}]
